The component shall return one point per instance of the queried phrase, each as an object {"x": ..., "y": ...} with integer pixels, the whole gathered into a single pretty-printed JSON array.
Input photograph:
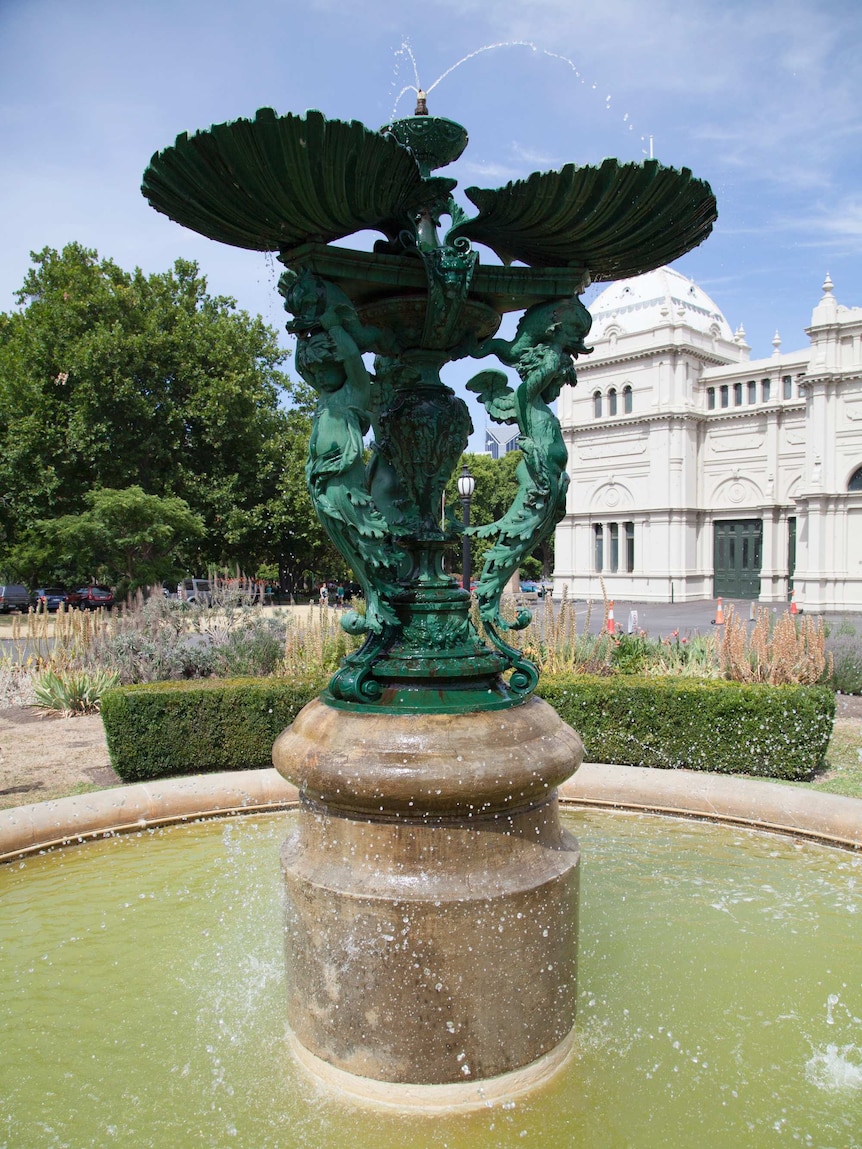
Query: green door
[{"x": 737, "y": 551}]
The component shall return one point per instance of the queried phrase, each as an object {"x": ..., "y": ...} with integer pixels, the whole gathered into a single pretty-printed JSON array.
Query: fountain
[
  {"x": 431, "y": 890},
  {"x": 719, "y": 1002}
]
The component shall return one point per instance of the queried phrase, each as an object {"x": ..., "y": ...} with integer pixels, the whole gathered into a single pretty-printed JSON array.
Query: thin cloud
[{"x": 535, "y": 158}]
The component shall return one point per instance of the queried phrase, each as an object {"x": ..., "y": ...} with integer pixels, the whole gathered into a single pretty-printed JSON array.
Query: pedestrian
[
  {"x": 339, "y": 595},
  {"x": 324, "y": 594}
]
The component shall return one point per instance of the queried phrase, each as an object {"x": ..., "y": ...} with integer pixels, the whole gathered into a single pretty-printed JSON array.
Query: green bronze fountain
[{"x": 431, "y": 892}]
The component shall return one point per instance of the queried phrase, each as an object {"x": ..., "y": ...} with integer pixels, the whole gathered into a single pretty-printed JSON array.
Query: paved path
[{"x": 662, "y": 618}]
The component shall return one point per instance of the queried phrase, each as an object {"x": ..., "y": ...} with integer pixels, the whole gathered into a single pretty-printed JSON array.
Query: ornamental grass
[
  {"x": 161, "y": 639},
  {"x": 789, "y": 651}
]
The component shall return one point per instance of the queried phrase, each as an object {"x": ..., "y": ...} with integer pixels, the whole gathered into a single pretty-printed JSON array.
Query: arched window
[
  {"x": 627, "y": 400},
  {"x": 597, "y": 404},
  {"x": 855, "y": 483},
  {"x": 612, "y": 401}
]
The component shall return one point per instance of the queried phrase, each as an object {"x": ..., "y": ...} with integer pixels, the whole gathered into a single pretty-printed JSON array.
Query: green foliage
[
  {"x": 137, "y": 656},
  {"x": 256, "y": 648},
  {"x": 495, "y": 491},
  {"x": 171, "y": 728},
  {"x": 115, "y": 380},
  {"x": 70, "y": 692},
  {"x": 125, "y": 538},
  {"x": 695, "y": 657},
  {"x": 671, "y": 723},
  {"x": 774, "y": 732},
  {"x": 633, "y": 653},
  {"x": 531, "y": 568},
  {"x": 162, "y": 639}
]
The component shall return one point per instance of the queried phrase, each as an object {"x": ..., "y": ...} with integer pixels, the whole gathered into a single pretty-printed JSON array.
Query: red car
[{"x": 91, "y": 597}]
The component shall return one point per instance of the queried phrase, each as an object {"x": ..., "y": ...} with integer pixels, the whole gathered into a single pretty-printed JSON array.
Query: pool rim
[{"x": 758, "y": 804}]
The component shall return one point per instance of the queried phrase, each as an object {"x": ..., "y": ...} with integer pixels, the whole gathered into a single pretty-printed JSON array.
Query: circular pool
[{"x": 720, "y": 998}]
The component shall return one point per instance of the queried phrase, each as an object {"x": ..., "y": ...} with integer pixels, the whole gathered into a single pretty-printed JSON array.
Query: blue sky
[{"x": 763, "y": 98}]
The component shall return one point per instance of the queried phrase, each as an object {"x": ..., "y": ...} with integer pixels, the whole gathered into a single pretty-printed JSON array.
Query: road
[{"x": 660, "y": 619}]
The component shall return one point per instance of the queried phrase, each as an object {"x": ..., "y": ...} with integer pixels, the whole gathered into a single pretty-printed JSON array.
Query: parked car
[
  {"x": 14, "y": 597},
  {"x": 49, "y": 598},
  {"x": 91, "y": 597},
  {"x": 531, "y": 586},
  {"x": 196, "y": 590}
]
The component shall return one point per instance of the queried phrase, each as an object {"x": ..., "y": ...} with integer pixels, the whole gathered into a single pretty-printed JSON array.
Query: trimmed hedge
[
  {"x": 696, "y": 724},
  {"x": 199, "y": 726}
]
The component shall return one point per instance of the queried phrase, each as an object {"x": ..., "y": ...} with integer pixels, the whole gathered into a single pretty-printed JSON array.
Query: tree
[
  {"x": 496, "y": 487},
  {"x": 126, "y": 538},
  {"x": 110, "y": 379},
  {"x": 287, "y": 521}
]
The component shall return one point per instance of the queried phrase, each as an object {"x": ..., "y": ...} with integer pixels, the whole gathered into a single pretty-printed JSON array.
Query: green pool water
[{"x": 720, "y": 999}]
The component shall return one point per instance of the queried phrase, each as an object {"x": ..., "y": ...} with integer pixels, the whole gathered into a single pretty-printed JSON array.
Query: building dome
[{"x": 659, "y": 298}]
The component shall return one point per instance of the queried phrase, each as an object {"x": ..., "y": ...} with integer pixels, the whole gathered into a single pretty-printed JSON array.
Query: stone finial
[
  {"x": 739, "y": 336},
  {"x": 776, "y": 343},
  {"x": 826, "y": 309}
]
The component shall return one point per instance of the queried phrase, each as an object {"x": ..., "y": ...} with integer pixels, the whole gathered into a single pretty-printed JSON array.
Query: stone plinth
[{"x": 431, "y": 892}]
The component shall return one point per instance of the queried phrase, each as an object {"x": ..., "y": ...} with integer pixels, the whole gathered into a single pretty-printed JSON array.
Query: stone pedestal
[{"x": 432, "y": 894}]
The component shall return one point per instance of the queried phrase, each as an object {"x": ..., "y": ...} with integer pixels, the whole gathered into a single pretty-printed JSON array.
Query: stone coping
[
  {"x": 828, "y": 818},
  {"x": 429, "y": 1100},
  {"x": 757, "y": 803}
]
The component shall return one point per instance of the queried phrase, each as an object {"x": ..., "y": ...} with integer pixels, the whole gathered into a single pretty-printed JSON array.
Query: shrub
[
  {"x": 200, "y": 726},
  {"x": 727, "y": 727},
  {"x": 16, "y": 684},
  {"x": 253, "y": 650},
  {"x": 137, "y": 657},
  {"x": 694, "y": 657},
  {"x": 633, "y": 653},
  {"x": 69, "y": 692},
  {"x": 846, "y": 651},
  {"x": 315, "y": 642}
]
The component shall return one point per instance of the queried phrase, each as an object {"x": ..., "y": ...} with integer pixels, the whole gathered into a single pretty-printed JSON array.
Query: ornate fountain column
[
  {"x": 432, "y": 895},
  {"x": 431, "y": 892}
]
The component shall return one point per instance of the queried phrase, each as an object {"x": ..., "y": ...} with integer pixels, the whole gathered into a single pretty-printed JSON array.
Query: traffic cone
[
  {"x": 719, "y": 615},
  {"x": 612, "y": 626},
  {"x": 794, "y": 609}
]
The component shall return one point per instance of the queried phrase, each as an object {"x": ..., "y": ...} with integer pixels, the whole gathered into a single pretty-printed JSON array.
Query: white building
[{"x": 697, "y": 471}]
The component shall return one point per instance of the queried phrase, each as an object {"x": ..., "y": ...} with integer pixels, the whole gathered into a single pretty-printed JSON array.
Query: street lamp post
[{"x": 466, "y": 487}]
